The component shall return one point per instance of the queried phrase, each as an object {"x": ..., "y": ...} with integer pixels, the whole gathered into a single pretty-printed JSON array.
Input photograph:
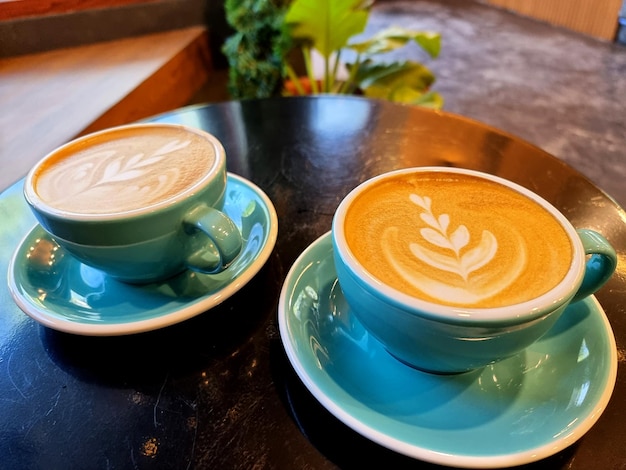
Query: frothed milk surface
[
  {"x": 457, "y": 240},
  {"x": 124, "y": 171}
]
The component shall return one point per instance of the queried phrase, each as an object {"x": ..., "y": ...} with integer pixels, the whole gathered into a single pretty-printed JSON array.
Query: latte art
[
  {"x": 437, "y": 234},
  {"x": 128, "y": 172},
  {"x": 457, "y": 240},
  {"x": 454, "y": 257}
]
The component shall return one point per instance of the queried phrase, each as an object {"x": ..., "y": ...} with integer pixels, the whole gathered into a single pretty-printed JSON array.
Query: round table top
[{"x": 217, "y": 391}]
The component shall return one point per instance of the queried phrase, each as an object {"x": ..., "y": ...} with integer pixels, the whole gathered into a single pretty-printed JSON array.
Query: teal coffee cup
[
  {"x": 453, "y": 269},
  {"x": 140, "y": 202}
]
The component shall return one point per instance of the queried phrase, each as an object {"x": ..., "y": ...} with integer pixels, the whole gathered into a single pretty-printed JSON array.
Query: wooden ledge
[{"x": 49, "y": 98}]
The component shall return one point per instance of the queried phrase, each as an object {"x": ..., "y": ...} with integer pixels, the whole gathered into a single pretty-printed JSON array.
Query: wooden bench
[{"x": 48, "y": 98}]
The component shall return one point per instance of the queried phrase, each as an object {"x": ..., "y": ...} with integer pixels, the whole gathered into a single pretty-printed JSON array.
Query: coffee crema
[
  {"x": 124, "y": 170},
  {"x": 457, "y": 240}
]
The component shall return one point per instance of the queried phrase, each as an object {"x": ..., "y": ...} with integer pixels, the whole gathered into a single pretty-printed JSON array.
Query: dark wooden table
[{"x": 217, "y": 391}]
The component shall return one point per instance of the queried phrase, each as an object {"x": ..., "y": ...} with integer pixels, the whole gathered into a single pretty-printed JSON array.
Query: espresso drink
[
  {"x": 457, "y": 240},
  {"x": 124, "y": 170}
]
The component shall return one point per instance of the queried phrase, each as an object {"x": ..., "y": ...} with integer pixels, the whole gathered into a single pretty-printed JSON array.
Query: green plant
[
  {"x": 256, "y": 49},
  {"x": 327, "y": 26}
]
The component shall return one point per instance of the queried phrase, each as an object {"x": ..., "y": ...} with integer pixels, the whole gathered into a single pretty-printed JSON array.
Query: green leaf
[
  {"x": 391, "y": 75},
  {"x": 404, "y": 82},
  {"x": 256, "y": 49},
  {"x": 327, "y": 24},
  {"x": 408, "y": 95},
  {"x": 395, "y": 37},
  {"x": 428, "y": 100}
]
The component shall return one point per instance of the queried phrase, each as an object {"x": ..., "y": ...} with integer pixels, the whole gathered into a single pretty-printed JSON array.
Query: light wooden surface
[
  {"x": 49, "y": 98},
  {"x": 597, "y": 18}
]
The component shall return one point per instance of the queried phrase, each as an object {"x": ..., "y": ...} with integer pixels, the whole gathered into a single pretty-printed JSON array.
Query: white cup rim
[
  {"x": 515, "y": 313},
  {"x": 34, "y": 200}
]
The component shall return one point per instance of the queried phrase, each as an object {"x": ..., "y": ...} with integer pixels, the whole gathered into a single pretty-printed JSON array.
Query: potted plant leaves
[
  {"x": 256, "y": 50},
  {"x": 328, "y": 27},
  {"x": 267, "y": 33}
]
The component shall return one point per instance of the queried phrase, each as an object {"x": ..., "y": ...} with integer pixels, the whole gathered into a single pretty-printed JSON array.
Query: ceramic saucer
[
  {"x": 520, "y": 410},
  {"x": 69, "y": 296}
]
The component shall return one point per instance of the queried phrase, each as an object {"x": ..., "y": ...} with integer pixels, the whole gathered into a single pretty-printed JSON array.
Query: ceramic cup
[
  {"x": 140, "y": 202},
  {"x": 453, "y": 269}
]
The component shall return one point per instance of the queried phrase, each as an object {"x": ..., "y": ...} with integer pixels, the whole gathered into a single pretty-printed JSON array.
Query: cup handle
[
  {"x": 599, "y": 266},
  {"x": 206, "y": 222}
]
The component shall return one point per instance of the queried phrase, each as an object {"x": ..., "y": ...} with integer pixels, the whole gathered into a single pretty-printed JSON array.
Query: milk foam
[
  {"x": 128, "y": 172},
  {"x": 457, "y": 241},
  {"x": 454, "y": 257}
]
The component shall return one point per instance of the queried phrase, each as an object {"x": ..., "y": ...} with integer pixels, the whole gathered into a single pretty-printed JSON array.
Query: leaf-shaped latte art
[
  {"x": 463, "y": 265},
  {"x": 423, "y": 202},
  {"x": 469, "y": 291},
  {"x": 437, "y": 234},
  {"x": 435, "y": 238},
  {"x": 172, "y": 146},
  {"x": 430, "y": 219},
  {"x": 480, "y": 255},
  {"x": 444, "y": 221},
  {"x": 435, "y": 259},
  {"x": 118, "y": 178},
  {"x": 459, "y": 238},
  {"x": 111, "y": 170}
]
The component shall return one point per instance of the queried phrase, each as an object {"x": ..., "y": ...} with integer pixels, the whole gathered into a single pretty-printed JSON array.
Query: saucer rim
[
  {"x": 184, "y": 312},
  {"x": 536, "y": 453}
]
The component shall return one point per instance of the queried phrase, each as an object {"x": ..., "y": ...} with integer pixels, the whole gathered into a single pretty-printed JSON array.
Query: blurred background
[{"x": 552, "y": 72}]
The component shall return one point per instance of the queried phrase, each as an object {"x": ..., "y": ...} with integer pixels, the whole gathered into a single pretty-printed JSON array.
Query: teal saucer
[
  {"x": 520, "y": 410},
  {"x": 58, "y": 291}
]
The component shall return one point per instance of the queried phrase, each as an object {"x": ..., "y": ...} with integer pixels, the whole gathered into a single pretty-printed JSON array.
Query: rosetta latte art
[
  {"x": 112, "y": 180},
  {"x": 445, "y": 249}
]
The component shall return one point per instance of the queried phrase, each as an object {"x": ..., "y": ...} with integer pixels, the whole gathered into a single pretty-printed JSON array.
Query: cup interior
[
  {"x": 370, "y": 279},
  {"x": 125, "y": 171}
]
